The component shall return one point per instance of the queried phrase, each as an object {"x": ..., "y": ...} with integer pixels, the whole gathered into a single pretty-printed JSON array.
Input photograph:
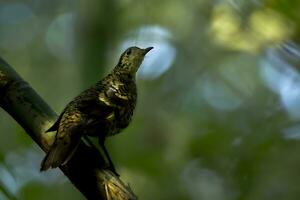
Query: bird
[{"x": 103, "y": 110}]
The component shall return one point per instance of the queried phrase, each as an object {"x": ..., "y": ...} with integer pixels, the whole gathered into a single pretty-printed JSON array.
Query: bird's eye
[{"x": 128, "y": 52}]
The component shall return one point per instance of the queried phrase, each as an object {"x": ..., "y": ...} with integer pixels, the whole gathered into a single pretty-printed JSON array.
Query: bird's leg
[
  {"x": 111, "y": 164},
  {"x": 90, "y": 143}
]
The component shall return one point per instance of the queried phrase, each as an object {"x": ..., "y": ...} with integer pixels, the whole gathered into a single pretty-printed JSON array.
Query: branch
[{"x": 86, "y": 168}]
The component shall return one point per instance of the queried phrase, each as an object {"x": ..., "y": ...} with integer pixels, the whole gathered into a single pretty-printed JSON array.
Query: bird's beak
[{"x": 147, "y": 50}]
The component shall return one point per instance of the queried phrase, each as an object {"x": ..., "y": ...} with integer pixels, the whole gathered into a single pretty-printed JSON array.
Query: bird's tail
[{"x": 60, "y": 152}]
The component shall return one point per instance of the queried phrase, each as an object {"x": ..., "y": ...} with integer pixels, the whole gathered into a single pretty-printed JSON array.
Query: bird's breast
[{"x": 120, "y": 118}]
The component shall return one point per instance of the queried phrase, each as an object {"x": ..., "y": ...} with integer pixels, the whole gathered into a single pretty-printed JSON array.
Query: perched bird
[{"x": 103, "y": 110}]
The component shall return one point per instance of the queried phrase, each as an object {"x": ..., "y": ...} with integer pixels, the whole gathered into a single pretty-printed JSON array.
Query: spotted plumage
[{"x": 102, "y": 110}]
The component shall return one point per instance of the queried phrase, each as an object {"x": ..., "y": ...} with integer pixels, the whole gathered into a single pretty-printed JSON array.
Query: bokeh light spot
[
  {"x": 290, "y": 95},
  {"x": 240, "y": 72},
  {"x": 292, "y": 133},
  {"x": 60, "y": 36},
  {"x": 17, "y": 26},
  {"x": 269, "y": 26},
  {"x": 158, "y": 60},
  {"x": 282, "y": 79},
  {"x": 249, "y": 33},
  {"x": 220, "y": 96},
  {"x": 202, "y": 183}
]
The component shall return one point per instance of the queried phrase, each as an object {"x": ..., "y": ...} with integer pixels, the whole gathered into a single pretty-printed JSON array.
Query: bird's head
[{"x": 132, "y": 58}]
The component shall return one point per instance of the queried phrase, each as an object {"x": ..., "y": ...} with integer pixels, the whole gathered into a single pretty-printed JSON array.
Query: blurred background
[{"x": 218, "y": 114}]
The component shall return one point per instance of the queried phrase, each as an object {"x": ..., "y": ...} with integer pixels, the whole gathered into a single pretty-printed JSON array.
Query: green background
[{"x": 219, "y": 95}]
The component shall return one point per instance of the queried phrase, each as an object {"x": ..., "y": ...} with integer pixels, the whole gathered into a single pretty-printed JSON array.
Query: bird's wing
[
  {"x": 101, "y": 104},
  {"x": 93, "y": 107},
  {"x": 55, "y": 126},
  {"x": 115, "y": 95},
  {"x": 63, "y": 148},
  {"x": 69, "y": 132}
]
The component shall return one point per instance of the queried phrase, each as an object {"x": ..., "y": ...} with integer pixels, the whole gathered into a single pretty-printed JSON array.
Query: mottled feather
[{"x": 102, "y": 110}]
